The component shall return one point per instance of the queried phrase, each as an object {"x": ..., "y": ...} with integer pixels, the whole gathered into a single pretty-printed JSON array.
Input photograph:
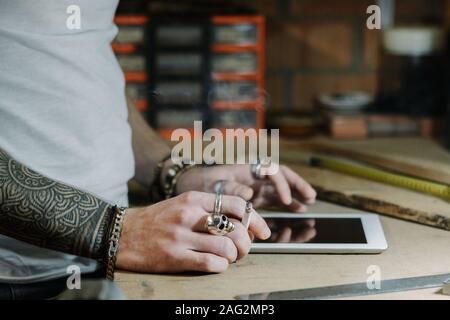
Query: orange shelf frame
[
  {"x": 235, "y": 105},
  {"x": 234, "y": 48},
  {"x": 130, "y": 19},
  {"x": 236, "y": 76},
  {"x": 124, "y": 48},
  {"x": 136, "y": 76}
]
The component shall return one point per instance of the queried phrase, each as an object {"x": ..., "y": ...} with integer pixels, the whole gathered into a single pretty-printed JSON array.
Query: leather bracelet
[{"x": 113, "y": 248}]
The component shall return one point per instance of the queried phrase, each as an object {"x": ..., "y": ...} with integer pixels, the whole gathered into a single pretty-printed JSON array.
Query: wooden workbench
[{"x": 414, "y": 250}]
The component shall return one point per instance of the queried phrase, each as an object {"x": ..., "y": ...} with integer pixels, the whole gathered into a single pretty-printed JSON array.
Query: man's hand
[
  {"x": 170, "y": 236},
  {"x": 286, "y": 188}
]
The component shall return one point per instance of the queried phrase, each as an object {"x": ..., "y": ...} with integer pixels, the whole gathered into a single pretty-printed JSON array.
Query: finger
[
  {"x": 297, "y": 206},
  {"x": 266, "y": 196},
  {"x": 284, "y": 236},
  {"x": 233, "y": 188},
  {"x": 282, "y": 187},
  {"x": 306, "y": 235},
  {"x": 205, "y": 262},
  {"x": 241, "y": 239},
  {"x": 261, "y": 202},
  {"x": 311, "y": 223},
  {"x": 220, "y": 246},
  {"x": 307, "y": 193},
  {"x": 234, "y": 207}
]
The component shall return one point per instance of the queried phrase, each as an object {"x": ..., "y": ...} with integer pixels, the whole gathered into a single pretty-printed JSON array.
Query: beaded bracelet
[{"x": 170, "y": 180}]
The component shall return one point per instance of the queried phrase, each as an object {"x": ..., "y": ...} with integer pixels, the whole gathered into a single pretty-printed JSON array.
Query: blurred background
[{"x": 306, "y": 67}]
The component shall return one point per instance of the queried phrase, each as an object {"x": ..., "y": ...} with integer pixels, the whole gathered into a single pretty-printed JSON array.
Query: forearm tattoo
[{"x": 51, "y": 214}]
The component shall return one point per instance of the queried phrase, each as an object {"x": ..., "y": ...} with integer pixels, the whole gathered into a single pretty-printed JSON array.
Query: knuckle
[
  {"x": 166, "y": 251},
  {"x": 247, "y": 244},
  {"x": 244, "y": 250},
  {"x": 168, "y": 254},
  {"x": 244, "y": 245},
  {"x": 236, "y": 191},
  {"x": 190, "y": 196},
  {"x": 242, "y": 202},
  {"x": 229, "y": 249},
  {"x": 175, "y": 235},
  {"x": 180, "y": 217},
  {"x": 185, "y": 215},
  {"x": 239, "y": 204},
  {"x": 207, "y": 263}
]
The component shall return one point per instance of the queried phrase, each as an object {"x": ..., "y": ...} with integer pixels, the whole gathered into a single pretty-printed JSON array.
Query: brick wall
[{"x": 323, "y": 45}]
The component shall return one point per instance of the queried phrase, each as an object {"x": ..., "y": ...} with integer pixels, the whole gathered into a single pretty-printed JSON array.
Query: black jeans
[
  {"x": 40, "y": 290},
  {"x": 37, "y": 291}
]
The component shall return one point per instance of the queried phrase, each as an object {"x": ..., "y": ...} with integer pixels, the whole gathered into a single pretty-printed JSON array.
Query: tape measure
[
  {"x": 437, "y": 189},
  {"x": 353, "y": 289}
]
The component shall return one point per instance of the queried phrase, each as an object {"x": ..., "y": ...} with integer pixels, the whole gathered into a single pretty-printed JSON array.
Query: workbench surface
[{"x": 414, "y": 250}]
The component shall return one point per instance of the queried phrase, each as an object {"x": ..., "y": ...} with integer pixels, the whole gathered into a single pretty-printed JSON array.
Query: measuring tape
[{"x": 437, "y": 189}]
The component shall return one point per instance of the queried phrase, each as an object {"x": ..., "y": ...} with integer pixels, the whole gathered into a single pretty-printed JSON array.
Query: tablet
[{"x": 322, "y": 233}]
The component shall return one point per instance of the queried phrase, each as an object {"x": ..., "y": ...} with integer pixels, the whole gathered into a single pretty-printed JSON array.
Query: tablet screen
[{"x": 315, "y": 230}]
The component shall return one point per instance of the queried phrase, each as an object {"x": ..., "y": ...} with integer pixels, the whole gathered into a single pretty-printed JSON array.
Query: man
[{"x": 68, "y": 146}]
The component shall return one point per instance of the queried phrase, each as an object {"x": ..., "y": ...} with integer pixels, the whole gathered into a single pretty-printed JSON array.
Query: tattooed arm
[
  {"x": 157, "y": 238},
  {"x": 51, "y": 214}
]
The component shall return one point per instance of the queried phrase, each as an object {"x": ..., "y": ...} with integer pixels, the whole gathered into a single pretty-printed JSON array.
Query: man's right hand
[{"x": 170, "y": 236}]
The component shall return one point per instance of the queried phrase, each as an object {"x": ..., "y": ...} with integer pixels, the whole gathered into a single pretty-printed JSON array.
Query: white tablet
[{"x": 322, "y": 233}]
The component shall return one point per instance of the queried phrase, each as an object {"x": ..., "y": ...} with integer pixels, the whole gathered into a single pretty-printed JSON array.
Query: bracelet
[
  {"x": 115, "y": 233},
  {"x": 156, "y": 192},
  {"x": 170, "y": 180}
]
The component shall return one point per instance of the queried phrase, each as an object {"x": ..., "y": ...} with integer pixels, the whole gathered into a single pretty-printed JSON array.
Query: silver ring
[
  {"x": 218, "y": 204},
  {"x": 218, "y": 186},
  {"x": 218, "y": 224},
  {"x": 256, "y": 170},
  {"x": 218, "y": 189}
]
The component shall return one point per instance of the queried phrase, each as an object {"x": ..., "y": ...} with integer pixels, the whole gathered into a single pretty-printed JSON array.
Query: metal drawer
[
  {"x": 242, "y": 33},
  {"x": 234, "y": 62}
]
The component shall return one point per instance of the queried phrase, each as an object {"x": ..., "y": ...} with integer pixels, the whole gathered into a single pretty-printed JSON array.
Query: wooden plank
[{"x": 384, "y": 207}]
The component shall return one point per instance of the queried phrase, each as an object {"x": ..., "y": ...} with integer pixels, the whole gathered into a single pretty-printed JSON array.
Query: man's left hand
[{"x": 285, "y": 188}]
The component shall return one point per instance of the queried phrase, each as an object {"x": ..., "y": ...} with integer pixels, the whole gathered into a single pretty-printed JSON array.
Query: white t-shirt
[{"x": 62, "y": 111}]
